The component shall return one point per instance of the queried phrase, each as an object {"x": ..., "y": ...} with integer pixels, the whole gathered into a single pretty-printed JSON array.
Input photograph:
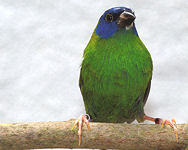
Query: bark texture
[{"x": 38, "y": 135}]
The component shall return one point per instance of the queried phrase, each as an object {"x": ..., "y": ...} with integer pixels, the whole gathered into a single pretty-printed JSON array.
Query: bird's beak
[{"x": 126, "y": 19}]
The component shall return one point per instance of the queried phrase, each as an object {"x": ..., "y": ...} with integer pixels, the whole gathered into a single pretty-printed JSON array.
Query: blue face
[{"x": 107, "y": 25}]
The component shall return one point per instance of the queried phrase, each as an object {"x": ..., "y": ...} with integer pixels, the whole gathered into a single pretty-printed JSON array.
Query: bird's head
[{"x": 115, "y": 19}]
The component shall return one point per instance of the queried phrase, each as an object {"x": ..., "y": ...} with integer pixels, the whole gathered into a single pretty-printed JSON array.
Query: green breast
[{"x": 115, "y": 73}]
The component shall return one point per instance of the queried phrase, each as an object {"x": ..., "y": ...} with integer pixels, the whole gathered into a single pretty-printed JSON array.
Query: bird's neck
[{"x": 121, "y": 39}]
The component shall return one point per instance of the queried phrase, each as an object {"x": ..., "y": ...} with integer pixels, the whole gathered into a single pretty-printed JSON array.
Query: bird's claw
[
  {"x": 172, "y": 124},
  {"x": 163, "y": 122},
  {"x": 79, "y": 123}
]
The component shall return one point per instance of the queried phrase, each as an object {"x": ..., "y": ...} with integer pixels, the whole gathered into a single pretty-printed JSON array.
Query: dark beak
[{"x": 125, "y": 19}]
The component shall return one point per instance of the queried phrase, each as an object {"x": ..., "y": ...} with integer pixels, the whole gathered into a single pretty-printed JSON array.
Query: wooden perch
[{"x": 38, "y": 135}]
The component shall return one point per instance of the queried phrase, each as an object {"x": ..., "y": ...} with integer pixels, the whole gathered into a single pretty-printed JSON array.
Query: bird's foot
[
  {"x": 163, "y": 122},
  {"x": 171, "y": 123},
  {"x": 79, "y": 122}
]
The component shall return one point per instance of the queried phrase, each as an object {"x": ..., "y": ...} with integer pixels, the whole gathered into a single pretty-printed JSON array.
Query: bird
[{"x": 116, "y": 72}]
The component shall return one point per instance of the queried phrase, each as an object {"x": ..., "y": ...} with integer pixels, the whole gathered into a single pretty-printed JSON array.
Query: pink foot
[
  {"x": 79, "y": 123},
  {"x": 163, "y": 122}
]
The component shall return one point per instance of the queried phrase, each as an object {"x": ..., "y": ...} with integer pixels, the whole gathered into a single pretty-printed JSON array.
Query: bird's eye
[{"x": 109, "y": 17}]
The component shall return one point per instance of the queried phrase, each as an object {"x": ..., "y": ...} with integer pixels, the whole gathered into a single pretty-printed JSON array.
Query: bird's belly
[{"x": 112, "y": 96}]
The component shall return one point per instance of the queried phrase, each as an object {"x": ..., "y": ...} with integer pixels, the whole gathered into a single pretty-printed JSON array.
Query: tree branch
[{"x": 40, "y": 135}]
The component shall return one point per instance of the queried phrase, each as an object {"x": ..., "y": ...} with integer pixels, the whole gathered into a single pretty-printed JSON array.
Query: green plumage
[{"x": 115, "y": 77}]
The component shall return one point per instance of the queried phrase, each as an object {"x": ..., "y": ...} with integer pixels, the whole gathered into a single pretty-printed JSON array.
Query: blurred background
[{"x": 41, "y": 47}]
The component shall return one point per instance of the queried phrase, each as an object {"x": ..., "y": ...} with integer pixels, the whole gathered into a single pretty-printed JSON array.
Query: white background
[{"x": 41, "y": 47}]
